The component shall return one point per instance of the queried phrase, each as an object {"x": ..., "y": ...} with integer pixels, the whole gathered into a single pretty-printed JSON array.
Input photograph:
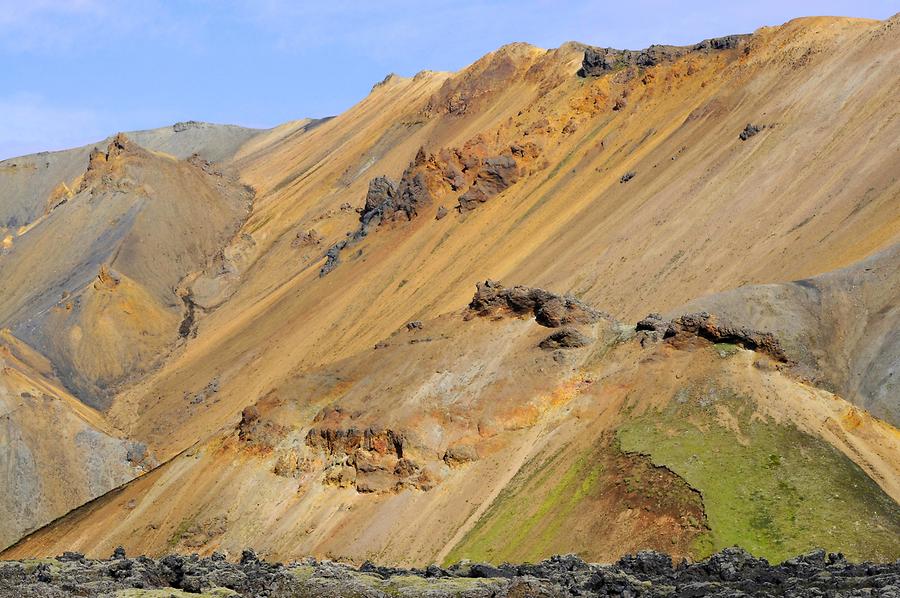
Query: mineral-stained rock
[
  {"x": 371, "y": 461},
  {"x": 458, "y": 455},
  {"x": 495, "y": 175},
  {"x": 99, "y": 162},
  {"x": 428, "y": 178},
  {"x": 566, "y": 338},
  {"x": 548, "y": 309}
]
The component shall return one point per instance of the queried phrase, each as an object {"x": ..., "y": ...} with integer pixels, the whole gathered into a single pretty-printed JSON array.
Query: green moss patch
[
  {"x": 766, "y": 487},
  {"x": 568, "y": 501}
]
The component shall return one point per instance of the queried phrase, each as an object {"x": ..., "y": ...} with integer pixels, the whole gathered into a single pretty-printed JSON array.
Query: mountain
[{"x": 303, "y": 329}]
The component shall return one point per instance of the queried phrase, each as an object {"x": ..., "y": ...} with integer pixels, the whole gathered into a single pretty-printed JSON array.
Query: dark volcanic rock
[
  {"x": 566, "y": 338},
  {"x": 729, "y": 573},
  {"x": 656, "y": 323},
  {"x": 707, "y": 326},
  {"x": 727, "y": 42},
  {"x": 750, "y": 130},
  {"x": 600, "y": 61},
  {"x": 548, "y": 309},
  {"x": 381, "y": 200}
]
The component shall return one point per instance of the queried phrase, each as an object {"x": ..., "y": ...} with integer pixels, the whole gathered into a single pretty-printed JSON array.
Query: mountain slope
[
  {"x": 503, "y": 449},
  {"x": 152, "y": 220},
  {"x": 628, "y": 247},
  {"x": 44, "y": 477},
  {"x": 629, "y": 181},
  {"x": 842, "y": 327}
]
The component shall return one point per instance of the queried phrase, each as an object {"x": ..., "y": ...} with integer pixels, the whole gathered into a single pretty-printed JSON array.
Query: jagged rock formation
[
  {"x": 708, "y": 326},
  {"x": 367, "y": 460},
  {"x": 750, "y": 130},
  {"x": 427, "y": 178},
  {"x": 601, "y": 61},
  {"x": 495, "y": 175},
  {"x": 731, "y": 572},
  {"x": 548, "y": 309}
]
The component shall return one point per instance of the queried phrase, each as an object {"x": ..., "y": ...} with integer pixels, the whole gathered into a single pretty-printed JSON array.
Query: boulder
[
  {"x": 566, "y": 338},
  {"x": 750, "y": 130},
  {"x": 548, "y": 309},
  {"x": 458, "y": 455}
]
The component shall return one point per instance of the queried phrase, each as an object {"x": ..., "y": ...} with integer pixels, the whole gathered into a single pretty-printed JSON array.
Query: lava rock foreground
[{"x": 731, "y": 572}]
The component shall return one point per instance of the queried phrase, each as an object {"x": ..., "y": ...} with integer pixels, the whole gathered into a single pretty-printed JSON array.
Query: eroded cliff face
[
  {"x": 56, "y": 452},
  {"x": 319, "y": 361}
]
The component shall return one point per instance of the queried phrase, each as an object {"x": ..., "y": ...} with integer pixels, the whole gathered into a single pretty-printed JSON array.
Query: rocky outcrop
[
  {"x": 181, "y": 127},
  {"x": 600, "y": 61},
  {"x": 495, "y": 175},
  {"x": 727, "y": 42},
  {"x": 367, "y": 460},
  {"x": 106, "y": 279},
  {"x": 731, "y": 572},
  {"x": 707, "y": 326},
  {"x": 750, "y": 130},
  {"x": 566, "y": 338},
  {"x": 259, "y": 433},
  {"x": 99, "y": 167},
  {"x": 456, "y": 456},
  {"x": 307, "y": 238},
  {"x": 380, "y": 199},
  {"x": 548, "y": 309},
  {"x": 429, "y": 177}
]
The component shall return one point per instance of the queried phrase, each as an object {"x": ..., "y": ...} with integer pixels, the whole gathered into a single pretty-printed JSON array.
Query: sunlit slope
[
  {"x": 469, "y": 428},
  {"x": 637, "y": 188},
  {"x": 705, "y": 211}
]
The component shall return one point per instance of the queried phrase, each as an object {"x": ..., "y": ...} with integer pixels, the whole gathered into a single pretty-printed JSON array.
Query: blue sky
[{"x": 74, "y": 71}]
